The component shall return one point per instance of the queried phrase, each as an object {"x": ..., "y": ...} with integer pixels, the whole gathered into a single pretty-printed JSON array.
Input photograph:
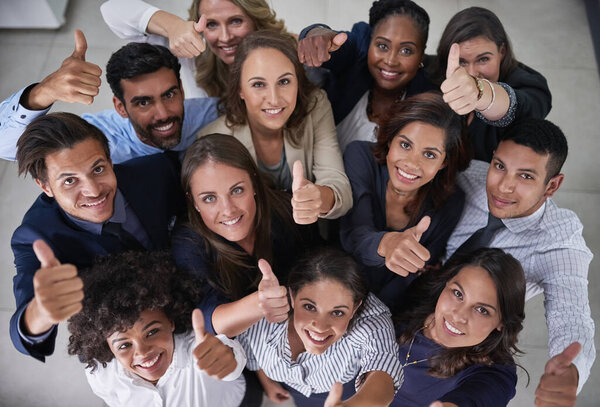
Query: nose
[
  {"x": 471, "y": 70},
  {"x": 224, "y": 34},
  {"x": 142, "y": 349},
  {"x": 320, "y": 324},
  {"x": 460, "y": 314},
  {"x": 227, "y": 206},
  {"x": 91, "y": 187},
  {"x": 274, "y": 96},
  {"x": 391, "y": 58},
  {"x": 506, "y": 185},
  {"x": 160, "y": 111}
]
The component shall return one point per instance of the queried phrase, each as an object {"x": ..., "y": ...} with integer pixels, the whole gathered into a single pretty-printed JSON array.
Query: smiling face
[
  {"x": 226, "y": 26},
  {"x": 395, "y": 52},
  {"x": 82, "y": 181},
  {"x": 467, "y": 310},
  {"x": 516, "y": 181},
  {"x": 269, "y": 88},
  {"x": 146, "y": 349},
  {"x": 154, "y": 105},
  {"x": 224, "y": 197},
  {"x": 322, "y": 312},
  {"x": 415, "y": 156},
  {"x": 481, "y": 58}
]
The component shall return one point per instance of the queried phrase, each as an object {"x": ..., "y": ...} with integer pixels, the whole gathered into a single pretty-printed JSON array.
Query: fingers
[
  {"x": 298, "y": 180},
  {"x": 338, "y": 41},
  {"x": 335, "y": 395},
  {"x": 553, "y": 391},
  {"x": 269, "y": 279},
  {"x": 436, "y": 404},
  {"x": 453, "y": 60},
  {"x": 214, "y": 357},
  {"x": 314, "y": 49},
  {"x": 80, "y": 45},
  {"x": 200, "y": 26},
  {"x": 45, "y": 255},
  {"x": 563, "y": 360},
  {"x": 421, "y": 227},
  {"x": 272, "y": 298},
  {"x": 198, "y": 325},
  {"x": 58, "y": 292}
]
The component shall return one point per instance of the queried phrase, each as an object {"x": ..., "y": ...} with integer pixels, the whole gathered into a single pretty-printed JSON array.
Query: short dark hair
[
  {"x": 382, "y": 9},
  {"x": 138, "y": 58},
  {"x": 543, "y": 137},
  {"x": 50, "y": 133},
  {"x": 118, "y": 288}
]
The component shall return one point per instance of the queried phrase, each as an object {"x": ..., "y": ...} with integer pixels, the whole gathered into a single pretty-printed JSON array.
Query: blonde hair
[{"x": 212, "y": 73}]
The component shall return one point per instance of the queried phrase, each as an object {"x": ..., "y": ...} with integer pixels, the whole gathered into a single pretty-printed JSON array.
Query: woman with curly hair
[
  {"x": 135, "y": 334},
  {"x": 458, "y": 332},
  {"x": 206, "y": 47}
]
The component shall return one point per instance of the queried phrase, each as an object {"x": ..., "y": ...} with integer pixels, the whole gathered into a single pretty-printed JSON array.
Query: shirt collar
[
  {"x": 517, "y": 225},
  {"x": 119, "y": 216}
]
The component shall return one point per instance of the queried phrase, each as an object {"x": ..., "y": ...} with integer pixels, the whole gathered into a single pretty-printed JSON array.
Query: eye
[
  {"x": 258, "y": 84},
  {"x": 338, "y": 313},
  {"x": 526, "y": 176},
  {"x": 153, "y": 332},
  {"x": 209, "y": 198},
  {"x": 169, "y": 95},
  {"x": 284, "y": 81},
  {"x": 142, "y": 103},
  {"x": 463, "y": 63},
  {"x": 499, "y": 166},
  {"x": 406, "y": 51},
  {"x": 382, "y": 46},
  {"x": 237, "y": 190},
  {"x": 430, "y": 155},
  {"x": 237, "y": 21},
  {"x": 482, "y": 310},
  {"x": 69, "y": 181},
  {"x": 211, "y": 25},
  {"x": 483, "y": 60},
  {"x": 309, "y": 307},
  {"x": 124, "y": 346},
  {"x": 405, "y": 145},
  {"x": 457, "y": 293},
  {"x": 99, "y": 169}
]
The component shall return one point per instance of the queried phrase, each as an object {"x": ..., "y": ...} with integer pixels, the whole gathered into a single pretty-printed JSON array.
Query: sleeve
[
  {"x": 355, "y": 48},
  {"x": 128, "y": 19},
  {"x": 328, "y": 165},
  {"x": 533, "y": 95},
  {"x": 563, "y": 275},
  {"x": 359, "y": 234},
  {"x": 240, "y": 357},
  {"x": 13, "y": 120},
  {"x": 245, "y": 340},
  {"x": 101, "y": 384},
  {"x": 488, "y": 386}
]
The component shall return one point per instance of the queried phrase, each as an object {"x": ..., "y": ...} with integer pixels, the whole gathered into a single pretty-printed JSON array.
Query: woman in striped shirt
[{"x": 337, "y": 333}]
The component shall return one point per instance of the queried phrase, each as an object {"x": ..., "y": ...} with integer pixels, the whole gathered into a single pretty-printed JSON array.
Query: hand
[
  {"x": 76, "y": 81},
  {"x": 185, "y": 40},
  {"x": 460, "y": 89},
  {"x": 275, "y": 392},
  {"x": 558, "y": 384},
  {"x": 306, "y": 197},
  {"x": 58, "y": 292},
  {"x": 334, "y": 399},
  {"x": 272, "y": 298},
  {"x": 213, "y": 356},
  {"x": 402, "y": 251},
  {"x": 314, "y": 49}
]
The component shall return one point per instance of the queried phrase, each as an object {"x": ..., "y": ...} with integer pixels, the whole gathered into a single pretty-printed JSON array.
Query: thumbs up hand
[
  {"x": 185, "y": 38},
  {"x": 272, "y": 298},
  {"x": 558, "y": 384},
  {"x": 334, "y": 399},
  {"x": 213, "y": 356},
  {"x": 58, "y": 292},
  {"x": 402, "y": 251},
  {"x": 76, "y": 81},
  {"x": 306, "y": 197},
  {"x": 460, "y": 88},
  {"x": 314, "y": 49}
]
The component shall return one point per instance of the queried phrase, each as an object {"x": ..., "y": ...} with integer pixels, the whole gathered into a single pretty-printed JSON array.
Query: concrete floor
[{"x": 552, "y": 36}]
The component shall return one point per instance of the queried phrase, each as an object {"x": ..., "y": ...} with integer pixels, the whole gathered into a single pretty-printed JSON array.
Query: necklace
[{"x": 414, "y": 362}]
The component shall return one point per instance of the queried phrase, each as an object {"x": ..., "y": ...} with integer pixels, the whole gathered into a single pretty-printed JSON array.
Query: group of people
[{"x": 353, "y": 220}]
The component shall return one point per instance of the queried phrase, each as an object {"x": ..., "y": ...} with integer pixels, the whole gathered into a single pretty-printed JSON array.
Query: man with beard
[{"x": 148, "y": 98}]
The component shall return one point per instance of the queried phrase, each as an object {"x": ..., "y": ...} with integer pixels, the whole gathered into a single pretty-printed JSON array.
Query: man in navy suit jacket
[{"x": 89, "y": 207}]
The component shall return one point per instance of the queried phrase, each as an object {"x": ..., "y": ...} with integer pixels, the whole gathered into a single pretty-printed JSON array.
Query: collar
[
  {"x": 517, "y": 225},
  {"x": 119, "y": 216}
]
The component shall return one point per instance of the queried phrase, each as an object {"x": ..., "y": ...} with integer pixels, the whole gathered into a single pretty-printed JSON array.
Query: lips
[
  {"x": 228, "y": 49},
  {"x": 166, "y": 127},
  {"x": 389, "y": 75},
  {"x": 451, "y": 329},
  {"x": 274, "y": 112},
  {"x": 317, "y": 339},
  {"x": 96, "y": 204},
  {"x": 406, "y": 176},
  {"x": 233, "y": 221},
  {"x": 501, "y": 203}
]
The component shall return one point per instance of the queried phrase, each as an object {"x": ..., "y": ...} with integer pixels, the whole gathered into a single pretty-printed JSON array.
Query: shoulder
[
  {"x": 217, "y": 126},
  {"x": 524, "y": 75},
  {"x": 561, "y": 225},
  {"x": 473, "y": 178},
  {"x": 195, "y": 106},
  {"x": 359, "y": 151},
  {"x": 150, "y": 167},
  {"x": 373, "y": 309},
  {"x": 44, "y": 212}
]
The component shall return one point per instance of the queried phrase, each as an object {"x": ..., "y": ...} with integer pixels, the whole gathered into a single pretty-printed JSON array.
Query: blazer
[{"x": 150, "y": 186}]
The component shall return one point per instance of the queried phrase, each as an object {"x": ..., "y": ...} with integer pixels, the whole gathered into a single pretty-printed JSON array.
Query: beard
[{"x": 147, "y": 135}]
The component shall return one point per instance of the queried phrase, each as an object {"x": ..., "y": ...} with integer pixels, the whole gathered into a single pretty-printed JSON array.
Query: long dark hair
[
  {"x": 500, "y": 346},
  {"x": 467, "y": 24},
  {"x": 225, "y": 273},
  {"x": 429, "y": 108}
]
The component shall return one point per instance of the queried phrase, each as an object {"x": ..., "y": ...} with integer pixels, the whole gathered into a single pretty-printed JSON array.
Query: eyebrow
[
  {"x": 426, "y": 148},
  {"x": 260, "y": 78},
  {"x": 314, "y": 303},
  {"x": 145, "y": 328},
  {"x": 531, "y": 170},
  {"x": 388, "y": 40},
  {"x": 70, "y": 174},
  {"x": 145, "y": 98},
  {"x": 480, "y": 303}
]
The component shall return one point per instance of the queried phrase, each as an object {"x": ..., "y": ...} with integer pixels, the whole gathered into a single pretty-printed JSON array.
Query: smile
[
  {"x": 93, "y": 204},
  {"x": 501, "y": 203},
  {"x": 452, "y": 328},
  {"x": 149, "y": 363},
  {"x": 165, "y": 127},
  {"x": 389, "y": 74},
  {"x": 230, "y": 49},
  {"x": 232, "y": 221},
  {"x": 317, "y": 339},
  {"x": 406, "y": 174},
  {"x": 273, "y": 111}
]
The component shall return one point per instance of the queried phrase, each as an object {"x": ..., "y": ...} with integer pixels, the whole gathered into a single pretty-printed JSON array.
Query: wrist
[
  {"x": 486, "y": 103},
  {"x": 35, "y": 98},
  {"x": 327, "y": 199},
  {"x": 314, "y": 32},
  {"x": 34, "y": 322}
]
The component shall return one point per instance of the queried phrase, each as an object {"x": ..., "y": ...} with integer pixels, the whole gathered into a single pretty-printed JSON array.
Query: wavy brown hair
[
  {"x": 118, "y": 288},
  {"x": 499, "y": 346},
  {"x": 225, "y": 274},
  {"x": 211, "y": 73},
  {"x": 235, "y": 108},
  {"x": 428, "y": 108}
]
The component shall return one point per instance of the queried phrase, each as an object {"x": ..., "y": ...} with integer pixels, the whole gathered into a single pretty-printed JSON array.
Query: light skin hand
[
  {"x": 377, "y": 390},
  {"x": 440, "y": 404},
  {"x": 558, "y": 384},
  {"x": 274, "y": 391},
  {"x": 314, "y": 49},
  {"x": 402, "y": 251},
  {"x": 272, "y": 297},
  {"x": 309, "y": 200},
  {"x": 58, "y": 292},
  {"x": 185, "y": 39},
  {"x": 76, "y": 81},
  {"x": 213, "y": 356}
]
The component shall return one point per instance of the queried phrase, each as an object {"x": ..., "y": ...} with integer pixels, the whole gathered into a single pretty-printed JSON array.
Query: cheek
[{"x": 211, "y": 38}]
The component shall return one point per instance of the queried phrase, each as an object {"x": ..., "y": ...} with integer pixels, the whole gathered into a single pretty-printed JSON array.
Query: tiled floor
[{"x": 550, "y": 35}]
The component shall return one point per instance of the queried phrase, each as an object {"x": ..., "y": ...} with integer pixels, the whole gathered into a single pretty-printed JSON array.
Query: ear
[
  {"x": 553, "y": 184},
  {"x": 502, "y": 51},
  {"x": 45, "y": 187},
  {"x": 241, "y": 94},
  {"x": 172, "y": 326},
  {"x": 499, "y": 327},
  {"x": 120, "y": 107},
  {"x": 291, "y": 295},
  {"x": 194, "y": 202},
  {"x": 355, "y": 308}
]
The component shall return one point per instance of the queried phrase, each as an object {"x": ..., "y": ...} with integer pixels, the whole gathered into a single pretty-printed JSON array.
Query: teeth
[
  {"x": 150, "y": 363},
  {"x": 229, "y": 49},
  {"x": 273, "y": 111},
  {"x": 231, "y": 222},
  {"x": 452, "y": 329},
  {"x": 389, "y": 73},
  {"x": 165, "y": 127},
  {"x": 317, "y": 337},
  {"x": 406, "y": 174},
  {"x": 88, "y": 204}
]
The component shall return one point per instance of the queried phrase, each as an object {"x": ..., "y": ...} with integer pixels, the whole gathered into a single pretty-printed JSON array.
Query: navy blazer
[{"x": 149, "y": 184}]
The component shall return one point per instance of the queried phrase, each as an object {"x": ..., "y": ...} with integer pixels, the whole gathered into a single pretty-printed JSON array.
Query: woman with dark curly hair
[
  {"x": 372, "y": 67},
  {"x": 135, "y": 334},
  {"x": 406, "y": 203},
  {"x": 458, "y": 332}
]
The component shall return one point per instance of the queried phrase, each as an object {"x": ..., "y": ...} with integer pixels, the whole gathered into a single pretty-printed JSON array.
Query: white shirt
[
  {"x": 356, "y": 125},
  {"x": 183, "y": 384},
  {"x": 550, "y": 246}
]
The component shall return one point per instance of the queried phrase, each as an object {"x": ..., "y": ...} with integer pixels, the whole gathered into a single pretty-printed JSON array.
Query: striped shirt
[
  {"x": 550, "y": 246},
  {"x": 368, "y": 345}
]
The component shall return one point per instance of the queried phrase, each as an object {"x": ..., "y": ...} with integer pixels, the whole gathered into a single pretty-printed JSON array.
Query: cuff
[
  {"x": 510, "y": 113},
  {"x": 238, "y": 353},
  {"x": 31, "y": 339},
  {"x": 145, "y": 19}
]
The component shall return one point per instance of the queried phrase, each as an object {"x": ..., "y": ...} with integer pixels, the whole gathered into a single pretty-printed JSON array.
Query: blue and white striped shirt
[
  {"x": 368, "y": 345},
  {"x": 550, "y": 246}
]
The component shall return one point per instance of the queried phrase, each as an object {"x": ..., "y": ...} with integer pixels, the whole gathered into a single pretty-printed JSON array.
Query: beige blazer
[{"x": 319, "y": 151}]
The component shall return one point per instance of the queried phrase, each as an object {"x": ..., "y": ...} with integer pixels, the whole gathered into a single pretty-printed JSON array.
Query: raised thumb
[
  {"x": 200, "y": 26},
  {"x": 563, "y": 360},
  {"x": 267, "y": 273},
  {"x": 453, "y": 60},
  {"x": 298, "y": 180},
  {"x": 44, "y": 254},
  {"x": 436, "y": 404},
  {"x": 80, "y": 45},
  {"x": 421, "y": 227},
  {"x": 338, "y": 41},
  {"x": 335, "y": 395},
  {"x": 198, "y": 325}
]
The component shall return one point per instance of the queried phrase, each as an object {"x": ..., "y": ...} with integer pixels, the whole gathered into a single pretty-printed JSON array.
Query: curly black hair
[
  {"x": 382, "y": 9},
  {"x": 118, "y": 288}
]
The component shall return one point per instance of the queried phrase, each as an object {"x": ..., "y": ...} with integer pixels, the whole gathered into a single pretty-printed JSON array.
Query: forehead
[
  {"x": 424, "y": 134},
  {"x": 79, "y": 158},
  {"x": 218, "y": 9},
  {"x": 477, "y": 284},
  {"x": 516, "y": 156},
  {"x": 266, "y": 62},
  {"x": 149, "y": 84},
  {"x": 398, "y": 29},
  {"x": 213, "y": 176},
  {"x": 476, "y": 46},
  {"x": 146, "y": 317},
  {"x": 327, "y": 294}
]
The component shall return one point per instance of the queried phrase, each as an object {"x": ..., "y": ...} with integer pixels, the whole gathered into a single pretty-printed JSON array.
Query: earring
[{"x": 421, "y": 65}]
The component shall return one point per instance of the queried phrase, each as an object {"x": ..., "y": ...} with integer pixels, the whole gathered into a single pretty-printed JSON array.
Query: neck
[
  {"x": 296, "y": 345},
  {"x": 248, "y": 243},
  {"x": 401, "y": 196}
]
